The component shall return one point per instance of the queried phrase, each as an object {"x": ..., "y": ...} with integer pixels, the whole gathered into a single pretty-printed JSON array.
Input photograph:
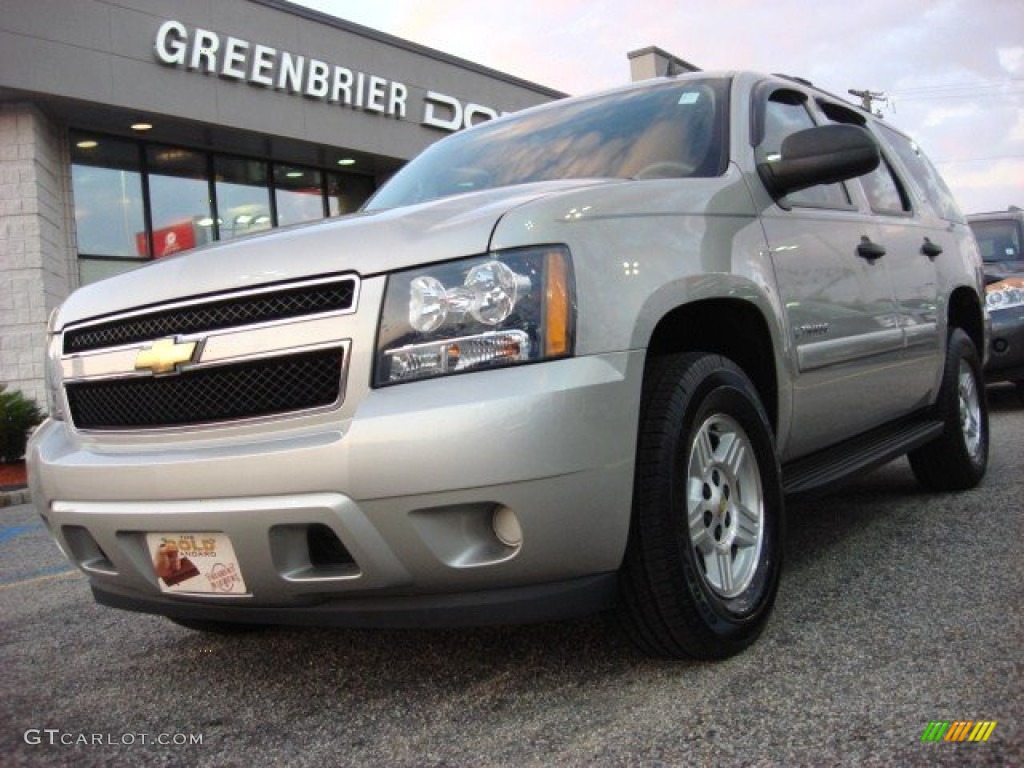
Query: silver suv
[{"x": 571, "y": 360}]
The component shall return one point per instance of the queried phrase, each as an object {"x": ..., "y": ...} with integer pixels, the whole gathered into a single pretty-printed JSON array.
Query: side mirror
[{"x": 825, "y": 154}]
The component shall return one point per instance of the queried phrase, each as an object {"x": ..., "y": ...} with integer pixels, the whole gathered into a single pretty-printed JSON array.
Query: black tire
[
  {"x": 1020, "y": 391},
  {"x": 702, "y": 589},
  {"x": 957, "y": 459},
  {"x": 217, "y": 627}
]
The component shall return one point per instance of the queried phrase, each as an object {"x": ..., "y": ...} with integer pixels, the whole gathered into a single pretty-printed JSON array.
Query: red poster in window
[{"x": 177, "y": 237}]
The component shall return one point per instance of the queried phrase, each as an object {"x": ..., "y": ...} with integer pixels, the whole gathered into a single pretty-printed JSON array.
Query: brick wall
[{"x": 37, "y": 263}]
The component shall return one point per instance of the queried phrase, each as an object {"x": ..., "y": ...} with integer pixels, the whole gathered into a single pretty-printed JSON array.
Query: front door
[{"x": 842, "y": 321}]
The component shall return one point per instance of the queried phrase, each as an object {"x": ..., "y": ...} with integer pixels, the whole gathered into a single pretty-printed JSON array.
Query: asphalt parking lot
[{"x": 897, "y": 608}]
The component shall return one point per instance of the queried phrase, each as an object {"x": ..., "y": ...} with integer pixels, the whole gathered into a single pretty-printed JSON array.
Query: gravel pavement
[{"x": 896, "y": 608}]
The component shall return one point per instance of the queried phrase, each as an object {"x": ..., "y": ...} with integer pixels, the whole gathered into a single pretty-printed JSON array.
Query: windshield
[
  {"x": 670, "y": 130},
  {"x": 998, "y": 240}
]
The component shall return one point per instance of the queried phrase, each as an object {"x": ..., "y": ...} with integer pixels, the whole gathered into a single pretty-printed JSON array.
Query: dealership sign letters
[{"x": 201, "y": 50}]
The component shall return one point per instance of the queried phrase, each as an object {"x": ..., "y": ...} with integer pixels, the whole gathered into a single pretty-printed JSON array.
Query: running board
[{"x": 822, "y": 470}]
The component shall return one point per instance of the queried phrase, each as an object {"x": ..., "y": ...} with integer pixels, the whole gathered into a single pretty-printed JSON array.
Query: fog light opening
[
  {"x": 506, "y": 527},
  {"x": 999, "y": 346},
  {"x": 325, "y": 548},
  {"x": 85, "y": 551}
]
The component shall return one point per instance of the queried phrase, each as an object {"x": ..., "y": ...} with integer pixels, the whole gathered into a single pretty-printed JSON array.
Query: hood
[
  {"x": 1000, "y": 270},
  {"x": 366, "y": 243}
]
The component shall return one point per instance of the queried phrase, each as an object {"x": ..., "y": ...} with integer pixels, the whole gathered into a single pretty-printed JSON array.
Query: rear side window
[
  {"x": 785, "y": 113},
  {"x": 883, "y": 192},
  {"x": 930, "y": 187}
]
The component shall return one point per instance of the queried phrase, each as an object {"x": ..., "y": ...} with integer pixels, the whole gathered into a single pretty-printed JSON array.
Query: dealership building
[{"x": 133, "y": 129}]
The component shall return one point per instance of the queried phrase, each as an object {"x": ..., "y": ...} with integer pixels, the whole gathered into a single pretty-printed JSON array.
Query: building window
[
  {"x": 136, "y": 201},
  {"x": 243, "y": 197},
  {"x": 179, "y": 198},
  {"x": 298, "y": 194},
  {"x": 346, "y": 192},
  {"x": 106, "y": 180}
]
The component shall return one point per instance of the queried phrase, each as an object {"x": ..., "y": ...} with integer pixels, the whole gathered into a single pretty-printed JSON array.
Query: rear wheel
[
  {"x": 957, "y": 459},
  {"x": 705, "y": 550}
]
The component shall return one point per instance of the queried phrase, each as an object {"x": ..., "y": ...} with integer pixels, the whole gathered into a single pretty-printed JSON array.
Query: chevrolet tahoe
[{"x": 575, "y": 359}]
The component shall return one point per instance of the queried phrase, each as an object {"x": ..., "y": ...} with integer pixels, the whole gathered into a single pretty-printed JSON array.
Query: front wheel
[
  {"x": 704, "y": 555},
  {"x": 956, "y": 460}
]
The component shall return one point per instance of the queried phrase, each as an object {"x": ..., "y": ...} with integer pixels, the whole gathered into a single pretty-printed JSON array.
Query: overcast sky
[{"x": 952, "y": 69}]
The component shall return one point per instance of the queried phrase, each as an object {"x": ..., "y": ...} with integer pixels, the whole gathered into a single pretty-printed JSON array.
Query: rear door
[
  {"x": 915, "y": 242},
  {"x": 939, "y": 246}
]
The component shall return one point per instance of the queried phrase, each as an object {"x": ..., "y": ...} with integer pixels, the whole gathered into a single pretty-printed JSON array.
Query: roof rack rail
[{"x": 801, "y": 80}]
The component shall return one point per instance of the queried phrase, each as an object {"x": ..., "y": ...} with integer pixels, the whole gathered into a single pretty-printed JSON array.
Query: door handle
[
  {"x": 869, "y": 250},
  {"x": 930, "y": 249}
]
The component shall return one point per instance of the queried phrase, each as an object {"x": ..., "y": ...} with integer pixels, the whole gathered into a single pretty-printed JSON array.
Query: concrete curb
[{"x": 13, "y": 498}]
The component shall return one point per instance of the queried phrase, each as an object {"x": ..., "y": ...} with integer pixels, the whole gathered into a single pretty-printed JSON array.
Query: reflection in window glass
[
  {"x": 346, "y": 192},
  {"x": 243, "y": 198},
  {"x": 107, "y": 186},
  {"x": 298, "y": 194},
  {"x": 930, "y": 186},
  {"x": 883, "y": 188},
  {"x": 179, "y": 196},
  {"x": 882, "y": 191},
  {"x": 113, "y": 178},
  {"x": 785, "y": 113},
  {"x": 92, "y": 270},
  {"x": 672, "y": 130}
]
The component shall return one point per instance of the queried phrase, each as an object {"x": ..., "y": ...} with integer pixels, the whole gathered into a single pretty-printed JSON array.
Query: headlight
[
  {"x": 1005, "y": 294},
  {"x": 52, "y": 370},
  {"x": 498, "y": 309}
]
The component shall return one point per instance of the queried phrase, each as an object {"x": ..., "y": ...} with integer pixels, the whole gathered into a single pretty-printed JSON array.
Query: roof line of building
[{"x": 397, "y": 42}]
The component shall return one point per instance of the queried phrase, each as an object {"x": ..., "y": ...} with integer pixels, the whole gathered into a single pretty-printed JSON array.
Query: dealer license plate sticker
[{"x": 197, "y": 563}]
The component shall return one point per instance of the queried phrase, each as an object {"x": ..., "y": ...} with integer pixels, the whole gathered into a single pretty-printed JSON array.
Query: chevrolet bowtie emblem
[{"x": 164, "y": 356}]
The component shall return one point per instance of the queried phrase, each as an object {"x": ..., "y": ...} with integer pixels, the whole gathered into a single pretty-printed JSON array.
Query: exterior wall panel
[{"x": 36, "y": 261}]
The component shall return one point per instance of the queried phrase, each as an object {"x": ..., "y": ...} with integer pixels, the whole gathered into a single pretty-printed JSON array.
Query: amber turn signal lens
[{"x": 558, "y": 318}]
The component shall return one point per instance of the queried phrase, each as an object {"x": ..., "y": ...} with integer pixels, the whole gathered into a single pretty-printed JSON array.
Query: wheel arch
[
  {"x": 965, "y": 312},
  {"x": 733, "y": 328}
]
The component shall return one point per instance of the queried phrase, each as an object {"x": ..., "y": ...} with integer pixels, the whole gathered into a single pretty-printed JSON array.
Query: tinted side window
[
  {"x": 884, "y": 191},
  {"x": 997, "y": 240},
  {"x": 786, "y": 113},
  {"x": 929, "y": 185}
]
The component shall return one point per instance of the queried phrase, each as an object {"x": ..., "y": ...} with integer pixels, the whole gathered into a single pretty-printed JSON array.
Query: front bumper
[
  {"x": 408, "y": 485},
  {"x": 1006, "y": 346}
]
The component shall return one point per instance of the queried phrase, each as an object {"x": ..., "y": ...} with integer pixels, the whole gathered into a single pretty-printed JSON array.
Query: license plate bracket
[{"x": 192, "y": 562}]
